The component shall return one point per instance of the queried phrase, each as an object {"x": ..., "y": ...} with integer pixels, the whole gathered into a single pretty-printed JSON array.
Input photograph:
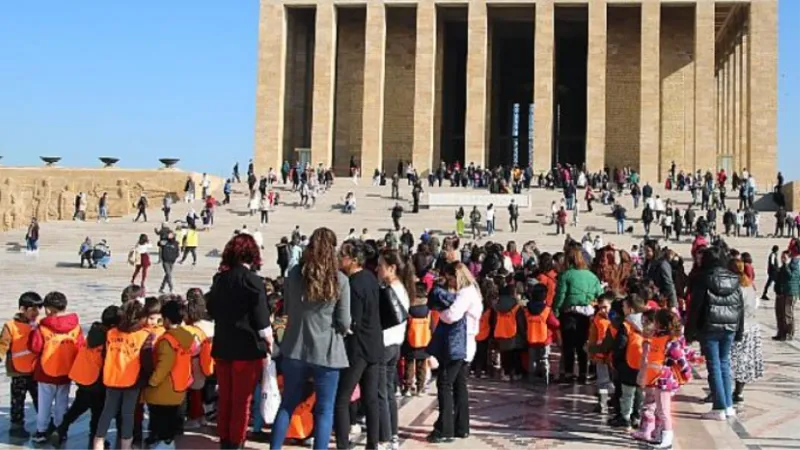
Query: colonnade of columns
[{"x": 751, "y": 68}]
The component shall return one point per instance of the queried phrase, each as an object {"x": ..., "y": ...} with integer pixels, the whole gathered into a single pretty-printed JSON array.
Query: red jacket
[{"x": 58, "y": 324}]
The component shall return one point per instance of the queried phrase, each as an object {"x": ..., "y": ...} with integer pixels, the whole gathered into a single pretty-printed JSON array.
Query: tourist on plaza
[
  {"x": 397, "y": 276},
  {"x": 166, "y": 206},
  {"x": 577, "y": 287},
  {"x": 252, "y": 204},
  {"x": 190, "y": 241},
  {"x": 716, "y": 319},
  {"x": 589, "y": 198},
  {"x": 205, "y": 184},
  {"x": 619, "y": 214},
  {"x": 397, "y": 213},
  {"x": 364, "y": 345},
  {"x": 189, "y": 190},
  {"x": 460, "y": 221},
  {"x": 236, "y": 173},
  {"x": 513, "y": 216},
  {"x": 264, "y": 208},
  {"x": 658, "y": 270},
  {"x": 237, "y": 303},
  {"x": 395, "y": 186},
  {"x": 789, "y": 291},
  {"x": 349, "y": 202},
  {"x": 454, "y": 346},
  {"x": 283, "y": 251},
  {"x": 141, "y": 207},
  {"x": 475, "y": 222},
  {"x": 169, "y": 251},
  {"x": 140, "y": 259},
  {"x": 416, "y": 191},
  {"x": 226, "y": 191},
  {"x": 32, "y": 236},
  {"x": 102, "y": 207},
  {"x": 317, "y": 304},
  {"x": 747, "y": 359},
  {"x": 561, "y": 220},
  {"x": 490, "y": 219},
  {"x": 773, "y": 265}
]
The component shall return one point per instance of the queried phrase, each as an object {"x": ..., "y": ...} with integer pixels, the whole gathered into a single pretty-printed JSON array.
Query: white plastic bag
[{"x": 270, "y": 394}]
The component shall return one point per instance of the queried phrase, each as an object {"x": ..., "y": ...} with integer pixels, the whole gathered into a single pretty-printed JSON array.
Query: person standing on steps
[
  {"x": 395, "y": 186},
  {"x": 190, "y": 240},
  {"x": 513, "y": 215},
  {"x": 226, "y": 190},
  {"x": 166, "y": 206},
  {"x": 141, "y": 206},
  {"x": 170, "y": 249},
  {"x": 102, "y": 208},
  {"x": 397, "y": 213},
  {"x": 475, "y": 222},
  {"x": 236, "y": 172},
  {"x": 772, "y": 271},
  {"x": 415, "y": 193}
]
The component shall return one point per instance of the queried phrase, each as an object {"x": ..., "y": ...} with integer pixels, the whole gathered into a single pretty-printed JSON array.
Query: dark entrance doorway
[
  {"x": 454, "y": 83},
  {"x": 511, "y": 88},
  {"x": 569, "y": 98}
]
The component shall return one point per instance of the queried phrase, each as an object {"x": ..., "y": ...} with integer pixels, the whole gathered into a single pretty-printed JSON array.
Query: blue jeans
[
  {"x": 490, "y": 226},
  {"x": 636, "y": 202},
  {"x": 103, "y": 214},
  {"x": 258, "y": 421},
  {"x": 717, "y": 350},
  {"x": 620, "y": 226},
  {"x": 295, "y": 375},
  {"x": 32, "y": 244},
  {"x": 570, "y": 203}
]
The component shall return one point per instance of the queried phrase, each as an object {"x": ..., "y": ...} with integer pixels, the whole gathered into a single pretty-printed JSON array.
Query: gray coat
[{"x": 315, "y": 330}]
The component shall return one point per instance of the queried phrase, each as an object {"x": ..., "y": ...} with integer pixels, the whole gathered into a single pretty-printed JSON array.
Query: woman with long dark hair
[
  {"x": 316, "y": 295},
  {"x": 396, "y": 274},
  {"x": 238, "y": 305}
]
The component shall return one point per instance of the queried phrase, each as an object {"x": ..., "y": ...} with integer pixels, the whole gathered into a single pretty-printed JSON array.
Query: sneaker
[
  {"x": 194, "y": 424},
  {"x": 714, "y": 414},
  {"x": 40, "y": 437},
  {"x": 730, "y": 412},
  {"x": 407, "y": 393},
  {"x": 17, "y": 431},
  {"x": 355, "y": 429},
  {"x": 620, "y": 422}
]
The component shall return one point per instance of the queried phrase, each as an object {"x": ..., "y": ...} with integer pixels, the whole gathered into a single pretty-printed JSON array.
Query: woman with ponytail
[{"x": 397, "y": 274}]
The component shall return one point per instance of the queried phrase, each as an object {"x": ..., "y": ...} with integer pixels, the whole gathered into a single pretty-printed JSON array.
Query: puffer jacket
[
  {"x": 660, "y": 273},
  {"x": 789, "y": 278},
  {"x": 716, "y": 306}
]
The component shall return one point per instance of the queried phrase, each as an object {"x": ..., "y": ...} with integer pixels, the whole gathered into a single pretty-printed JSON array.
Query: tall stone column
[
  {"x": 544, "y": 49},
  {"x": 649, "y": 137},
  {"x": 477, "y": 45},
  {"x": 424, "y": 86},
  {"x": 268, "y": 142},
  {"x": 763, "y": 87},
  {"x": 374, "y": 78},
  {"x": 324, "y": 83},
  {"x": 744, "y": 117},
  {"x": 705, "y": 88},
  {"x": 596, "y": 87},
  {"x": 736, "y": 143}
]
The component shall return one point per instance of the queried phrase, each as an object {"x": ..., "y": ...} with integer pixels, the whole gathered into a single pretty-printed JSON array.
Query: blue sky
[{"x": 146, "y": 79}]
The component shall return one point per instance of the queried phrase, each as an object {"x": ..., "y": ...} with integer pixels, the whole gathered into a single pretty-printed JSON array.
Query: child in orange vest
[
  {"x": 152, "y": 309},
  {"x": 664, "y": 369},
  {"x": 598, "y": 329},
  {"x": 541, "y": 324},
  {"x": 172, "y": 376},
  {"x": 127, "y": 366},
  {"x": 87, "y": 373},
  {"x": 627, "y": 354},
  {"x": 202, "y": 365},
  {"x": 417, "y": 339},
  {"x": 56, "y": 341},
  {"x": 20, "y": 361},
  {"x": 509, "y": 332},
  {"x": 481, "y": 362}
]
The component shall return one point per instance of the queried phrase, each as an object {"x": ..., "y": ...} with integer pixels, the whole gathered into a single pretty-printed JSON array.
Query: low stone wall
[
  {"x": 467, "y": 200},
  {"x": 48, "y": 193},
  {"x": 791, "y": 194}
]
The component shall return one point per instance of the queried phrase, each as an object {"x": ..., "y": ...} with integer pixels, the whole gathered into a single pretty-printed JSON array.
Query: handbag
[
  {"x": 392, "y": 312},
  {"x": 270, "y": 393}
]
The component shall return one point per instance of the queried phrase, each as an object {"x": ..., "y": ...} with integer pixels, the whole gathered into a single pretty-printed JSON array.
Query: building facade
[{"x": 608, "y": 83}]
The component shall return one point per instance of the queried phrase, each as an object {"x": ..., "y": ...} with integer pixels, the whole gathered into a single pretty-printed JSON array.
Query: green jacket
[
  {"x": 576, "y": 288},
  {"x": 789, "y": 278}
]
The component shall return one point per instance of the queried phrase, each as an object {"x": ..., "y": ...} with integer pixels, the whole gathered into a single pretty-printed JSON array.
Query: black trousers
[
  {"x": 164, "y": 421},
  {"x": 387, "y": 402},
  {"x": 480, "y": 363},
  {"x": 20, "y": 388},
  {"x": 396, "y": 222},
  {"x": 85, "y": 400},
  {"x": 770, "y": 280},
  {"x": 575, "y": 333},
  {"x": 453, "y": 397},
  {"x": 512, "y": 221},
  {"x": 186, "y": 251},
  {"x": 367, "y": 376}
]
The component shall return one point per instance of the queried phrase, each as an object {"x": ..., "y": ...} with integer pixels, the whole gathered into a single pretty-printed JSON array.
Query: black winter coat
[{"x": 716, "y": 305}]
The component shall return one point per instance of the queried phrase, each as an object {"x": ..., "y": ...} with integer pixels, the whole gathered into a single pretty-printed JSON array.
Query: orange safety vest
[
  {"x": 601, "y": 327},
  {"x": 59, "y": 351},
  {"x": 301, "y": 425},
  {"x": 122, "y": 364},
  {"x": 204, "y": 358},
  {"x": 22, "y": 359},
  {"x": 434, "y": 319},
  {"x": 656, "y": 355},
  {"x": 156, "y": 331},
  {"x": 506, "y": 325},
  {"x": 537, "y": 326},
  {"x": 87, "y": 366},
  {"x": 419, "y": 332},
  {"x": 181, "y": 373},
  {"x": 484, "y": 327},
  {"x": 633, "y": 353}
]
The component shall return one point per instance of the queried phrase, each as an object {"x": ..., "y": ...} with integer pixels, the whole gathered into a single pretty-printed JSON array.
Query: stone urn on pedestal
[
  {"x": 50, "y": 161},
  {"x": 169, "y": 163},
  {"x": 108, "y": 161}
]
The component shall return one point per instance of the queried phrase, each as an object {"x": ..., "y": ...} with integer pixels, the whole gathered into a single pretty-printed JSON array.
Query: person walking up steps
[{"x": 170, "y": 251}]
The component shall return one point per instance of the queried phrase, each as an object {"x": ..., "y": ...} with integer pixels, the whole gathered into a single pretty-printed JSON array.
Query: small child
[
  {"x": 172, "y": 376},
  {"x": 202, "y": 329},
  {"x": 417, "y": 340},
  {"x": 131, "y": 293},
  {"x": 86, "y": 373},
  {"x": 664, "y": 370},
  {"x": 541, "y": 326},
  {"x": 152, "y": 310},
  {"x": 509, "y": 332},
  {"x": 627, "y": 359},
  {"x": 56, "y": 342},
  {"x": 575, "y": 213},
  {"x": 598, "y": 329},
  {"x": 20, "y": 361},
  {"x": 480, "y": 364}
]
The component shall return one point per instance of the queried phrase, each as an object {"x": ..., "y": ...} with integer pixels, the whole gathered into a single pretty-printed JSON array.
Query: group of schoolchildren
[{"x": 153, "y": 352}]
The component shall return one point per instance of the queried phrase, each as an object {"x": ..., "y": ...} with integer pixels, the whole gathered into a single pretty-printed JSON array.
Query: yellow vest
[{"x": 191, "y": 238}]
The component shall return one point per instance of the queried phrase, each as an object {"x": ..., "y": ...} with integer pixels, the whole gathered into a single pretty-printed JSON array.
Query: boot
[
  {"x": 125, "y": 444},
  {"x": 666, "y": 440},
  {"x": 17, "y": 431},
  {"x": 737, "y": 392},
  {"x": 603, "y": 402}
]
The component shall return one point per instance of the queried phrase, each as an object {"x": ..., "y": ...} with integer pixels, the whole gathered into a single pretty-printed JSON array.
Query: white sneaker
[
  {"x": 194, "y": 424},
  {"x": 355, "y": 429},
  {"x": 730, "y": 412},
  {"x": 163, "y": 445},
  {"x": 714, "y": 414}
]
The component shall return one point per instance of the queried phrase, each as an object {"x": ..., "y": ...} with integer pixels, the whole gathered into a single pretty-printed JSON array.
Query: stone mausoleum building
[{"x": 609, "y": 83}]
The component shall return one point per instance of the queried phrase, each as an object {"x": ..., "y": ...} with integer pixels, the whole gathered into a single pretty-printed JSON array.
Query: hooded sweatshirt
[
  {"x": 627, "y": 375},
  {"x": 61, "y": 324},
  {"x": 160, "y": 389}
]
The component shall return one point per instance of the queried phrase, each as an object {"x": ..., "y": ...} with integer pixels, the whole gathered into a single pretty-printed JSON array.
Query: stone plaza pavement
[{"x": 504, "y": 415}]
